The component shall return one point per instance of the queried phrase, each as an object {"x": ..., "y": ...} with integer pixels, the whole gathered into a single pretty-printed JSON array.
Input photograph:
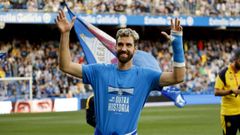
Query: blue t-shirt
[
  {"x": 119, "y": 95},
  {"x": 144, "y": 59}
]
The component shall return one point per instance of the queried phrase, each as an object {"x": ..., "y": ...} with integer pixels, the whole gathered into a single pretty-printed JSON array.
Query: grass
[{"x": 190, "y": 120}]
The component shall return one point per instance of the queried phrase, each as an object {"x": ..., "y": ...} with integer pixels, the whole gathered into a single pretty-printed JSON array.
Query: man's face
[{"x": 125, "y": 49}]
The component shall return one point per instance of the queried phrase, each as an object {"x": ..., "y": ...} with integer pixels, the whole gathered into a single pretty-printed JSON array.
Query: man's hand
[
  {"x": 236, "y": 92},
  {"x": 176, "y": 27},
  {"x": 62, "y": 22}
]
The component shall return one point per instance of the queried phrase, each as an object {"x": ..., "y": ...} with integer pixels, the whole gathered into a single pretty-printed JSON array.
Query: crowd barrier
[{"x": 75, "y": 104}]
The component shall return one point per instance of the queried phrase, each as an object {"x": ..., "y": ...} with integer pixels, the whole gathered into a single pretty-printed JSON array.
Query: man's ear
[{"x": 135, "y": 46}]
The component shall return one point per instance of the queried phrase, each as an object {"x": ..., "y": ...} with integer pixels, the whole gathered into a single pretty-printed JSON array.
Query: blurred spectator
[
  {"x": 5, "y": 5},
  {"x": 53, "y": 5},
  {"x": 120, "y": 6},
  {"x": 48, "y": 6},
  {"x": 79, "y": 7},
  {"x": 2, "y": 72},
  {"x": 32, "y": 5}
]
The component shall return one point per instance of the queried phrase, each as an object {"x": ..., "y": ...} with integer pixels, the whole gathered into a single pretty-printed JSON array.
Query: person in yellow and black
[
  {"x": 227, "y": 85},
  {"x": 90, "y": 113},
  {"x": 2, "y": 72}
]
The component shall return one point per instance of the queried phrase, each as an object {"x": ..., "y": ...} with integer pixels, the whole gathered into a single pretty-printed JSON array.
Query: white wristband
[{"x": 176, "y": 64}]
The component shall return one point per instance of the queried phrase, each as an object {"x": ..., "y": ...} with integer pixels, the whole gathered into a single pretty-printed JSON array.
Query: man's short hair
[{"x": 127, "y": 32}]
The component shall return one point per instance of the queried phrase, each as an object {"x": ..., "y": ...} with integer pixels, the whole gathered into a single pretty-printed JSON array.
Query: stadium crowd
[
  {"x": 40, "y": 60},
  {"x": 204, "y": 59},
  {"x": 154, "y": 7}
]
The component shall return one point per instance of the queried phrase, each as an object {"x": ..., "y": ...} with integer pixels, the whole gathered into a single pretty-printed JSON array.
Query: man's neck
[{"x": 125, "y": 66}]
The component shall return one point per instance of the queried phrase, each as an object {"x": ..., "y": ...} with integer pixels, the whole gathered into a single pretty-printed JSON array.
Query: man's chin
[{"x": 123, "y": 60}]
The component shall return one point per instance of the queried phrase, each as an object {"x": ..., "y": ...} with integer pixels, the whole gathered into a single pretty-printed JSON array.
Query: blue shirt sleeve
[
  {"x": 153, "y": 77},
  {"x": 91, "y": 72},
  {"x": 88, "y": 73}
]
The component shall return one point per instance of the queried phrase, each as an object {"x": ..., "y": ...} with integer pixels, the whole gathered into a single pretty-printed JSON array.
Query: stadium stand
[
  {"x": 27, "y": 56},
  {"x": 162, "y": 7}
]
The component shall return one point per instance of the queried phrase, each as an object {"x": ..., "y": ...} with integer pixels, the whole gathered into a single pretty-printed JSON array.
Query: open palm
[
  {"x": 62, "y": 22},
  {"x": 175, "y": 26}
]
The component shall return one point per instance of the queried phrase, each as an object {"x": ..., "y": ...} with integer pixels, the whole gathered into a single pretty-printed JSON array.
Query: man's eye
[
  {"x": 120, "y": 44},
  {"x": 129, "y": 45}
]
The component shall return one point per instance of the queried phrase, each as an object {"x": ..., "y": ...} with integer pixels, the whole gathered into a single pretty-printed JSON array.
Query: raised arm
[
  {"x": 65, "y": 60},
  {"x": 178, "y": 73}
]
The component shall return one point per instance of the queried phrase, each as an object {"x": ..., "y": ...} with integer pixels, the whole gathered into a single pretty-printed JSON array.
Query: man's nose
[{"x": 124, "y": 48}]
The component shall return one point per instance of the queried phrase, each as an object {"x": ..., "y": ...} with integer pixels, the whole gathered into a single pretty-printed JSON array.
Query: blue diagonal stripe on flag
[{"x": 94, "y": 42}]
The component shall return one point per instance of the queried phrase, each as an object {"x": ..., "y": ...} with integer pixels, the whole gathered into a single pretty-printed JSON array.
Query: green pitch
[{"x": 190, "y": 120}]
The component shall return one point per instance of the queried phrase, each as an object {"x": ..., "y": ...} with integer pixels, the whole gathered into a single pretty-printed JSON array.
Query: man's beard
[{"x": 125, "y": 59}]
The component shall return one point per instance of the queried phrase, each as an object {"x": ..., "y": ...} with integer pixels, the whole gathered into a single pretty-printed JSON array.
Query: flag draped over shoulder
[{"x": 98, "y": 47}]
